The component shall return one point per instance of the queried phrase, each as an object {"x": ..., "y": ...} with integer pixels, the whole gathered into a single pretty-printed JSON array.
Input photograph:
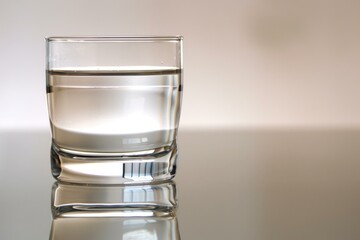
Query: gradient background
[{"x": 258, "y": 63}]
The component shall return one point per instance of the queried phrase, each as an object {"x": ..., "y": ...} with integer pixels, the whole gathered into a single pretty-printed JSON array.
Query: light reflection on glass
[
  {"x": 113, "y": 200},
  {"x": 127, "y": 228},
  {"x": 114, "y": 212}
]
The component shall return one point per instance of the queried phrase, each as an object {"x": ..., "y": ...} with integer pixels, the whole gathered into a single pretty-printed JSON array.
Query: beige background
[{"x": 258, "y": 63}]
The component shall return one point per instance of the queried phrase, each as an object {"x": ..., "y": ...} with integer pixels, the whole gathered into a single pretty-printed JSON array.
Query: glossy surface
[
  {"x": 241, "y": 184},
  {"x": 82, "y": 200}
]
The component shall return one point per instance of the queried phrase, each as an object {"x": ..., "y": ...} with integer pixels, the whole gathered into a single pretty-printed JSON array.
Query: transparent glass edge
[
  {"x": 112, "y": 38},
  {"x": 181, "y": 53},
  {"x": 177, "y": 38},
  {"x": 47, "y": 56}
]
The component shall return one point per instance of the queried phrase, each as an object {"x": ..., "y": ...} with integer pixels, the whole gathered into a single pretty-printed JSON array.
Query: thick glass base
[{"x": 116, "y": 168}]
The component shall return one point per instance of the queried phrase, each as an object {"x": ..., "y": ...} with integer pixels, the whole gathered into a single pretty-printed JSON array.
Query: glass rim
[{"x": 113, "y": 38}]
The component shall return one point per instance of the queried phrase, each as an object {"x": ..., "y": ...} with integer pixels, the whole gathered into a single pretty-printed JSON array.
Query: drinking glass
[{"x": 114, "y": 107}]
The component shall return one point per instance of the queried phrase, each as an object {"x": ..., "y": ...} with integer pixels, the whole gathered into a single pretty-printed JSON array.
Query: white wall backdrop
[{"x": 258, "y": 63}]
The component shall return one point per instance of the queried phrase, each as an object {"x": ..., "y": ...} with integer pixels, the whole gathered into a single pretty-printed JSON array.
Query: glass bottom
[{"x": 116, "y": 168}]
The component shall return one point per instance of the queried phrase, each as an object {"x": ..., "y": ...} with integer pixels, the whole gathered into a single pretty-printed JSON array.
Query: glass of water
[{"x": 114, "y": 107}]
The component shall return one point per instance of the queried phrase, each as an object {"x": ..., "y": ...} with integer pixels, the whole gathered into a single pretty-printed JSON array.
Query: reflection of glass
[
  {"x": 85, "y": 212},
  {"x": 114, "y": 104},
  {"x": 73, "y": 200},
  {"x": 126, "y": 228}
]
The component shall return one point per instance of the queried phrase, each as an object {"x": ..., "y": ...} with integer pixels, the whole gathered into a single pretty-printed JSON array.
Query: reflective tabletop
[{"x": 230, "y": 184}]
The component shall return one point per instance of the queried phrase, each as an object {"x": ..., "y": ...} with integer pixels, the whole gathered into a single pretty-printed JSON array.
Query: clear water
[{"x": 114, "y": 110}]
